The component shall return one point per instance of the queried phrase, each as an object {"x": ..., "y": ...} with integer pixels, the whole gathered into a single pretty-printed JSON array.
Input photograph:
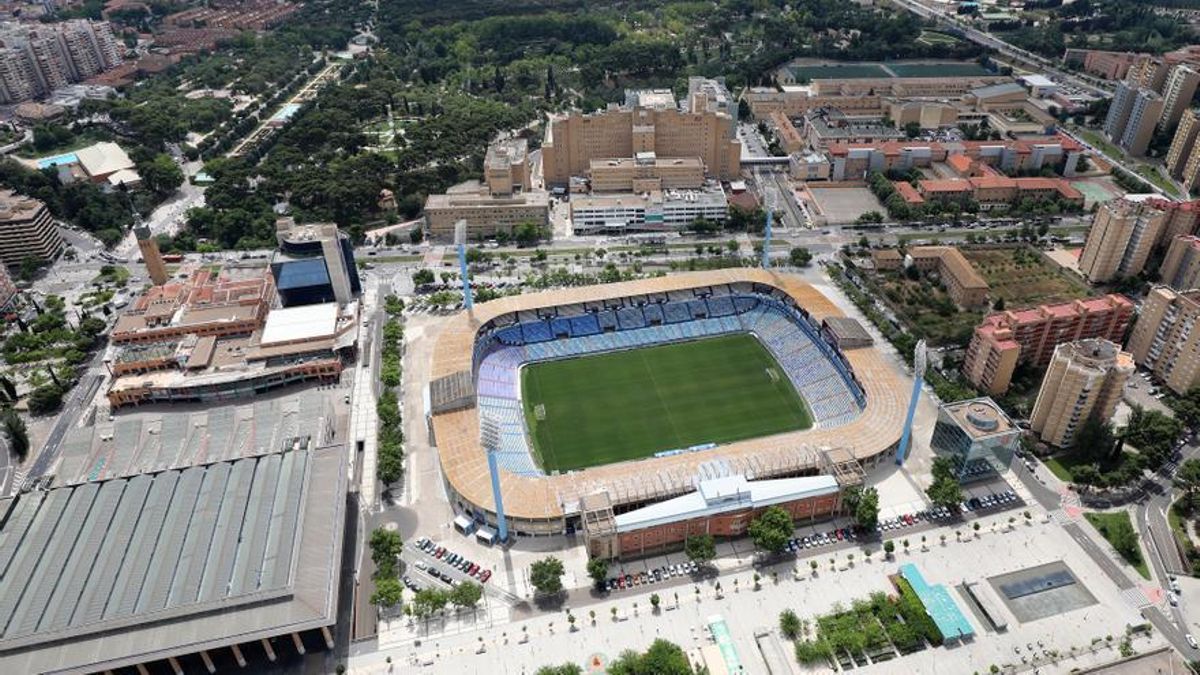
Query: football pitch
[{"x": 631, "y": 404}]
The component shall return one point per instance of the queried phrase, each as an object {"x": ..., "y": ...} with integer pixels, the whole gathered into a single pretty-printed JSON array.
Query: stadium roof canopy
[
  {"x": 107, "y": 574},
  {"x": 724, "y": 495}
]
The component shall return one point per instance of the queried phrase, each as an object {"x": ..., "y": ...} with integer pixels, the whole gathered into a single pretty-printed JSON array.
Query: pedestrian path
[{"x": 1135, "y": 597}]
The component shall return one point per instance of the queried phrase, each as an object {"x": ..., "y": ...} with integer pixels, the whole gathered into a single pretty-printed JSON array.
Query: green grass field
[{"x": 628, "y": 405}]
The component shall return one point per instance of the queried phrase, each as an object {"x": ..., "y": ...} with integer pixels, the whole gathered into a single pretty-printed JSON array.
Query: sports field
[{"x": 627, "y": 405}]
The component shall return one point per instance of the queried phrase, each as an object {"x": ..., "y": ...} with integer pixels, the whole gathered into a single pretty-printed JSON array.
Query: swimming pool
[{"x": 57, "y": 160}]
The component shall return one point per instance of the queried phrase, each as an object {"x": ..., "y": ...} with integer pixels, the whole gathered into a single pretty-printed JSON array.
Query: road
[
  {"x": 1036, "y": 62},
  {"x": 74, "y": 405},
  {"x": 1051, "y": 500}
]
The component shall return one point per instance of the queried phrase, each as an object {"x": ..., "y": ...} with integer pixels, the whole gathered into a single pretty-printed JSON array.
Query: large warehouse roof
[
  {"x": 106, "y": 574},
  {"x": 306, "y": 322}
]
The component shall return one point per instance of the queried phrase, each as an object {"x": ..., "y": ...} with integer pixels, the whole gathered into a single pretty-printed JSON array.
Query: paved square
[
  {"x": 845, "y": 205},
  {"x": 1041, "y": 592}
]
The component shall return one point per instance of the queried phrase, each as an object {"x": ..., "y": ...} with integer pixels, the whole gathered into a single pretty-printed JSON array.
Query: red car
[
  {"x": 439, "y": 552},
  {"x": 472, "y": 568},
  {"x": 487, "y": 574}
]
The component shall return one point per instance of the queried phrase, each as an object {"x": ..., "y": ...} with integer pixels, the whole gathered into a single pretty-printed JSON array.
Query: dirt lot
[
  {"x": 1024, "y": 277},
  {"x": 845, "y": 205}
]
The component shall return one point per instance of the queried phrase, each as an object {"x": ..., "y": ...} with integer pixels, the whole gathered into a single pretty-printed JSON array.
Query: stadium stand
[{"x": 814, "y": 366}]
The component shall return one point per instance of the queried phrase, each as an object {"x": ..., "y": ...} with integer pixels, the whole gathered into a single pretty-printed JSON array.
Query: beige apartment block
[
  {"x": 1177, "y": 94},
  {"x": 1181, "y": 267},
  {"x": 26, "y": 229},
  {"x": 1165, "y": 341},
  {"x": 1182, "y": 144},
  {"x": 1083, "y": 381},
  {"x": 1004, "y": 339},
  {"x": 1123, "y": 234},
  {"x": 574, "y": 140}
]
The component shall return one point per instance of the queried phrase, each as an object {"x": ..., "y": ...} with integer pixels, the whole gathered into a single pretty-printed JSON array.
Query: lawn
[
  {"x": 1023, "y": 277},
  {"x": 926, "y": 309},
  {"x": 1107, "y": 524},
  {"x": 630, "y": 404}
]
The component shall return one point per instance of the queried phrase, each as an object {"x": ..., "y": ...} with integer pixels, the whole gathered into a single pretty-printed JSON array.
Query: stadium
[{"x": 618, "y": 398}]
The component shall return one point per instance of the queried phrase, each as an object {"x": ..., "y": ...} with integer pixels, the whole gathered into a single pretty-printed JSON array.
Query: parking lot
[
  {"x": 433, "y": 566},
  {"x": 845, "y": 205}
]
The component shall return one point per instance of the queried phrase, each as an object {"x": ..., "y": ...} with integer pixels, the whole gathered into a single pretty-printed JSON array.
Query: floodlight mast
[
  {"x": 489, "y": 435},
  {"x": 920, "y": 362},
  {"x": 460, "y": 238}
]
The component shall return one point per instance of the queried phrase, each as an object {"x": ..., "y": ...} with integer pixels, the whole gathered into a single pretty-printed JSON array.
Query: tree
[
  {"x": 564, "y": 669},
  {"x": 160, "y": 174},
  {"x": 1095, "y": 440},
  {"x": 30, "y": 265},
  {"x": 597, "y": 569},
  {"x": 466, "y": 595},
  {"x": 387, "y": 593},
  {"x": 528, "y": 233},
  {"x": 663, "y": 658},
  {"x": 45, "y": 399},
  {"x": 386, "y": 547},
  {"x": 654, "y": 601},
  {"x": 700, "y": 548},
  {"x": 15, "y": 431},
  {"x": 1153, "y": 433},
  {"x": 789, "y": 624},
  {"x": 863, "y": 505},
  {"x": 771, "y": 530},
  {"x": 945, "y": 489},
  {"x": 800, "y": 257},
  {"x": 423, "y": 277},
  {"x": 427, "y": 601},
  {"x": 1186, "y": 479},
  {"x": 546, "y": 575},
  {"x": 889, "y": 547}
]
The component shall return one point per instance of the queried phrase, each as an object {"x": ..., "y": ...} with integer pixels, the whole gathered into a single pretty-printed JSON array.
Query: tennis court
[{"x": 855, "y": 71}]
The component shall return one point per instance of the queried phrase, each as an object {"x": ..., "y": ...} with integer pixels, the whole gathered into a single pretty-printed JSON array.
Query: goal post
[{"x": 772, "y": 375}]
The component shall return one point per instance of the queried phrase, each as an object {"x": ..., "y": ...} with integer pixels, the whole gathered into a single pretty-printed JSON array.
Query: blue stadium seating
[{"x": 814, "y": 367}]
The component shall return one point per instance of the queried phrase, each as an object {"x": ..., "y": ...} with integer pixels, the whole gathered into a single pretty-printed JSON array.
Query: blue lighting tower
[
  {"x": 460, "y": 238},
  {"x": 919, "y": 363},
  {"x": 489, "y": 433},
  {"x": 766, "y": 251}
]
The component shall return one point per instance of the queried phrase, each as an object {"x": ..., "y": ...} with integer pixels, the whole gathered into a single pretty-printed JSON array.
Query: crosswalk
[{"x": 1135, "y": 598}]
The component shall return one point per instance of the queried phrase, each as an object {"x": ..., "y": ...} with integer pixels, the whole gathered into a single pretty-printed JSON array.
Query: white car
[{"x": 1191, "y": 641}]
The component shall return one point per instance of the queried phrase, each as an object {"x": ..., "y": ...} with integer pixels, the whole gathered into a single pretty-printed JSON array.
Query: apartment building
[
  {"x": 1132, "y": 117},
  {"x": 1148, "y": 72},
  {"x": 1164, "y": 340},
  {"x": 1181, "y": 267},
  {"x": 997, "y": 191},
  {"x": 964, "y": 285},
  {"x": 790, "y": 138},
  {"x": 1182, "y": 144},
  {"x": 26, "y": 229},
  {"x": 1005, "y": 339},
  {"x": 1106, "y": 64},
  {"x": 1177, "y": 94},
  {"x": 1083, "y": 381},
  {"x": 35, "y": 61},
  {"x": 1123, "y": 233},
  {"x": 646, "y": 123}
]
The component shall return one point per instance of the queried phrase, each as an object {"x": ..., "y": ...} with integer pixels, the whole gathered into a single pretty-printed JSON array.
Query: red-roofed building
[
  {"x": 908, "y": 193},
  {"x": 962, "y": 165},
  {"x": 1006, "y": 339}
]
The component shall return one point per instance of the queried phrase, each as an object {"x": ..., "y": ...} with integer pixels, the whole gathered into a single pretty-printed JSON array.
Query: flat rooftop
[
  {"x": 108, "y": 574},
  {"x": 979, "y": 417},
  {"x": 306, "y": 322}
]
